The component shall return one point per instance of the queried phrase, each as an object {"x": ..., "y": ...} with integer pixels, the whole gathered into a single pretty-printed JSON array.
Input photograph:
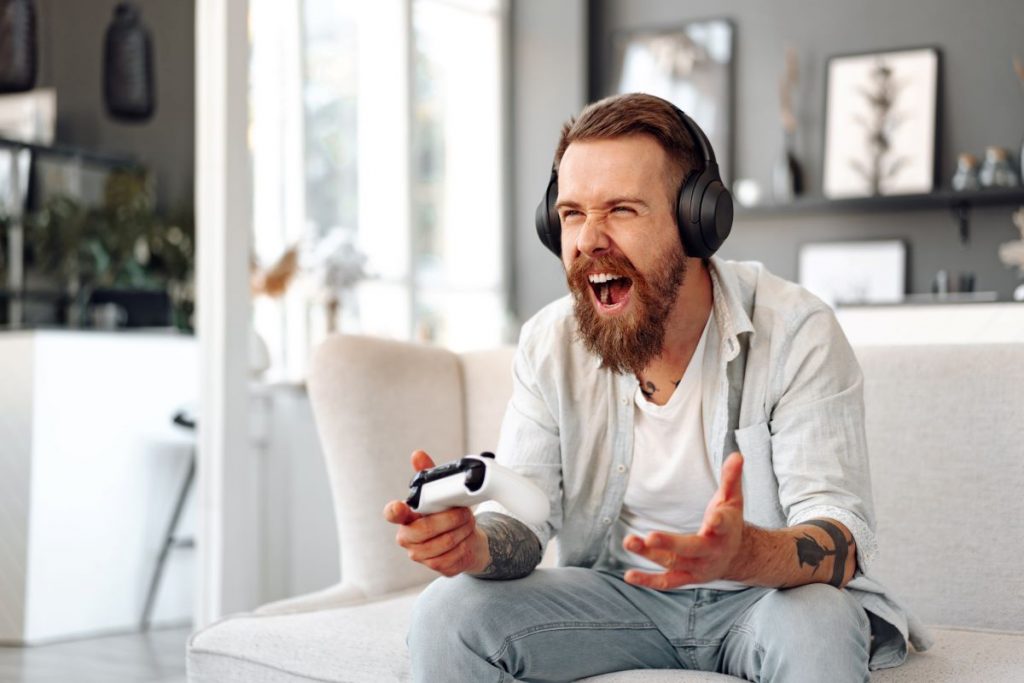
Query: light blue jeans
[{"x": 569, "y": 623}]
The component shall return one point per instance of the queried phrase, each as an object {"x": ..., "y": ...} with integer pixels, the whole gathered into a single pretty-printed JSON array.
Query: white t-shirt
[{"x": 670, "y": 482}]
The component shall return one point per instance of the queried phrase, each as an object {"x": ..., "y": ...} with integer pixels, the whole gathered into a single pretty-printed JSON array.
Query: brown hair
[{"x": 633, "y": 114}]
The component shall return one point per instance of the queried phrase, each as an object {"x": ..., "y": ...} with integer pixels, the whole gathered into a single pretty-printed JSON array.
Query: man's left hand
[{"x": 708, "y": 555}]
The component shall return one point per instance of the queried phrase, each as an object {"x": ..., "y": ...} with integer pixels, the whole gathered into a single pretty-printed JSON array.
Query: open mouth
[{"x": 610, "y": 290}]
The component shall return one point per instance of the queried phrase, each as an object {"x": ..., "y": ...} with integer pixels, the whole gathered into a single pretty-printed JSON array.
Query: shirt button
[
  {"x": 625, "y": 401},
  {"x": 620, "y": 469},
  {"x": 606, "y": 521}
]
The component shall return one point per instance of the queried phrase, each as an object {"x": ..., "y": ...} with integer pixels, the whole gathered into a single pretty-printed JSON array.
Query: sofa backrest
[
  {"x": 945, "y": 428},
  {"x": 487, "y": 385}
]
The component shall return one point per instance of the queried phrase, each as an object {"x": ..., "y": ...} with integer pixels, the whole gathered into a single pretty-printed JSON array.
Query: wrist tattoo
[
  {"x": 811, "y": 553},
  {"x": 515, "y": 550}
]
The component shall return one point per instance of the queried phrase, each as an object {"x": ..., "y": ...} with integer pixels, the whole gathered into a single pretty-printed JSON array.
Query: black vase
[
  {"x": 128, "y": 83},
  {"x": 787, "y": 176},
  {"x": 17, "y": 45}
]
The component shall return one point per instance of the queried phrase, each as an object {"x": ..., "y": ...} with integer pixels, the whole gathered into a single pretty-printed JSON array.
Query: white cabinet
[
  {"x": 90, "y": 466},
  {"x": 938, "y": 323}
]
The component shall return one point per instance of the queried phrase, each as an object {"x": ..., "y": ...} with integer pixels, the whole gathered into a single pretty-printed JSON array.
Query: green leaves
[{"x": 124, "y": 242}]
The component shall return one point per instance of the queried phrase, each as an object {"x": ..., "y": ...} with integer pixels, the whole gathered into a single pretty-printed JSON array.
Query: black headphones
[{"x": 703, "y": 208}]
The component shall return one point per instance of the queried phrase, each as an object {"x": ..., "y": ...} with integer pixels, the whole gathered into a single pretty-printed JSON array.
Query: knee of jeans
[
  {"x": 448, "y": 608},
  {"x": 814, "y": 611}
]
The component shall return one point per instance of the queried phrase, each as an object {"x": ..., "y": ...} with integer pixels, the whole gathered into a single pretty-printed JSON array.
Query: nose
[{"x": 592, "y": 238}]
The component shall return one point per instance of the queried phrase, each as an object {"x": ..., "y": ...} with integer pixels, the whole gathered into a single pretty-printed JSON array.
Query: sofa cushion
[
  {"x": 366, "y": 643},
  {"x": 350, "y": 644}
]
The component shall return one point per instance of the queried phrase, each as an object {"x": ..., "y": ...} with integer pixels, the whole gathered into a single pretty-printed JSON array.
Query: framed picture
[
  {"x": 881, "y": 123},
  {"x": 690, "y": 66},
  {"x": 868, "y": 272}
]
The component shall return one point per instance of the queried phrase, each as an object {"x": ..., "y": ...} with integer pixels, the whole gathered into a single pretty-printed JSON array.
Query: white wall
[{"x": 300, "y": 541}]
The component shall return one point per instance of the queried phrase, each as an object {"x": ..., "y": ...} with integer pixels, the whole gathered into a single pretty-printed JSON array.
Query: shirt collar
[{"x": 730, "y": 314}]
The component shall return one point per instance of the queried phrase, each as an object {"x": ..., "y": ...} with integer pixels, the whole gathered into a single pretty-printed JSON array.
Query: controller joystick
[{"x": 474, "y": 479}]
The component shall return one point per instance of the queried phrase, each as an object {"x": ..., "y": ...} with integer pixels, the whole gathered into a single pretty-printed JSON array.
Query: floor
[{"x": 154, "y": 657}]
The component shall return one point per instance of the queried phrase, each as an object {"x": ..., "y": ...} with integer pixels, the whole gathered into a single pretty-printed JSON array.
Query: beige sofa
[{"x": 946, "y": 433}]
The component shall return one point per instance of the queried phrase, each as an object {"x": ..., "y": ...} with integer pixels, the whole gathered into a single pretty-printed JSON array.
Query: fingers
[
  {"x": 431, "y": 526},
  {"x": 439, "y": 545},
  {"x": 684, "y": 545},
  {"x": 398, "y": 512},
  {"x": 421, "y": 461},
  {"x": 684, "y": 557},
  {"x": 455, "y": 561},
  {"x": 668, "y": 549},
  {"x": 732, "y": 479},
  {"x": 661, "y": 582}
]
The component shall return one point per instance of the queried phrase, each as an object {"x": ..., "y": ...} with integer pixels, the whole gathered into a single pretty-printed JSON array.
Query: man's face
[{"x": 620, "y": 246}]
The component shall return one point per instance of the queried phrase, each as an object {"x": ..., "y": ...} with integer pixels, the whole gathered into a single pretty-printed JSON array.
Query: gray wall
[
  {"x": 71, "y": 34},
  {"x": 549, "y": 84},
  {"x": 982, "y": 104}
]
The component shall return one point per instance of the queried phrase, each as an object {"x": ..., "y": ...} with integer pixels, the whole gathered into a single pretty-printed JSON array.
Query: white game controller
[{"x": 474, "y": 479}]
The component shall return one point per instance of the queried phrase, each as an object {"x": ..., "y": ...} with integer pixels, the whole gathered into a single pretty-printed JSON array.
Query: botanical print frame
[
  {"x": 689, "y": 65},
  {"x": 881, "y": 123},
  {"x": 861, "y": 272}
]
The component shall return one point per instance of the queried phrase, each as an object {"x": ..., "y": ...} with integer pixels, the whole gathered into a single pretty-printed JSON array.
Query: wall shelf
[
  {"x": 113, "y": 161},
  {"x": 935, "y": 201},
  {"x": 959, "y": 203}
]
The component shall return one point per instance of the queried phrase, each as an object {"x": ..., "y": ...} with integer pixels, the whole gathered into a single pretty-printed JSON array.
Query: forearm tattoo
[
  {"x": 811, "y": 553},
  {"x": 515, "y": 550}
]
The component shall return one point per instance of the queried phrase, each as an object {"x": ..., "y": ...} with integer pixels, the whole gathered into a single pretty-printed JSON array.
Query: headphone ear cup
[
  {"x": 704, "y": 213},
  {"x": 715, "y": 215},
  {"x": 689, "y": 229},
  {"x": 549, "y": 227}
]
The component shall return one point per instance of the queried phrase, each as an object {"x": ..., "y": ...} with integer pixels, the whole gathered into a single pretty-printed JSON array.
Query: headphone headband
[{"x": 698, "y": 136}]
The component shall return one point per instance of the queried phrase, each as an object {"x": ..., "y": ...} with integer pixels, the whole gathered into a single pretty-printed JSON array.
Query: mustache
[{"x": 583, "y": 265}]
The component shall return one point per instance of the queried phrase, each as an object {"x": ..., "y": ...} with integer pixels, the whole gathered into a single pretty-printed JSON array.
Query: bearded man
[{"x": 633, "y": 400}]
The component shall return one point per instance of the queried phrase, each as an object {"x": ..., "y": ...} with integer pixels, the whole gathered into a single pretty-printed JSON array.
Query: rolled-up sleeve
[
  {"x": 529, "y": 441},
  {"x": 819, "y": 445}
]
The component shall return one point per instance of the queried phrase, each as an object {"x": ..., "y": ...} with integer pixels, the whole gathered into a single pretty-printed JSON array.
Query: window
[{"x": 380, "y": 128}]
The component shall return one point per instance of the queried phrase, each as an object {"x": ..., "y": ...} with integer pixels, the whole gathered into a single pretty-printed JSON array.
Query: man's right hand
[{"x": 448, "y": 542}]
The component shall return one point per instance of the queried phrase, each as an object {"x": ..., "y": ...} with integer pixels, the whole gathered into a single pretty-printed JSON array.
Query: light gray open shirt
[{"x": 782, "y": 386}]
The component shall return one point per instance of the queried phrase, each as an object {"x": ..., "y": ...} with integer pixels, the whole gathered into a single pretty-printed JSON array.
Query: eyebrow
[{"x": 569, "y": 204}]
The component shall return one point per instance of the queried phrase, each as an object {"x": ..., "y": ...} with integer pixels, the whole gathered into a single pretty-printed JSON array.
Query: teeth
[{"x": 603, "y": 277}]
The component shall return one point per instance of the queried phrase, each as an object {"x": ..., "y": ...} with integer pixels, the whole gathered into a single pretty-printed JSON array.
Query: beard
[{"x": 629, "y": 342}]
